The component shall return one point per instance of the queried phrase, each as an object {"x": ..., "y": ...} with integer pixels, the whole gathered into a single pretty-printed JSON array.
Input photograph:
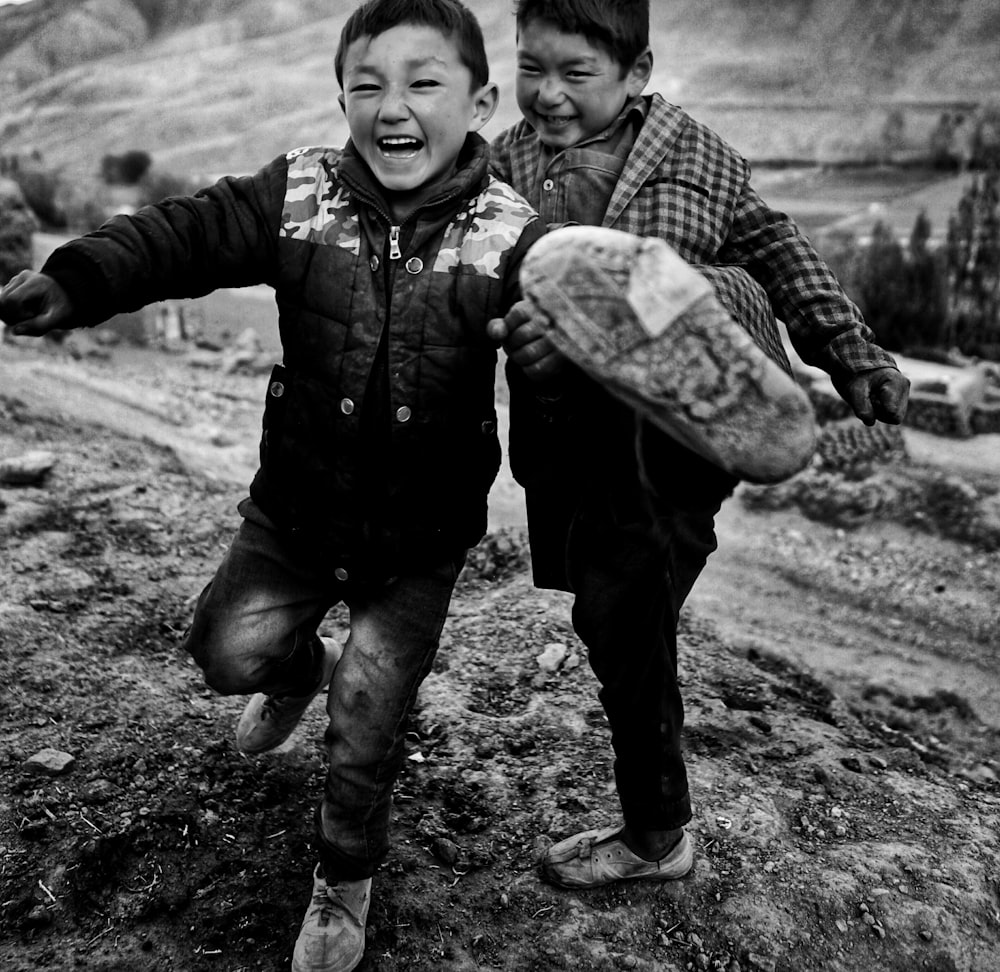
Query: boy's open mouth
[
  {"x": 399, "y": 146},
  {"x": 556, "y": 121}
]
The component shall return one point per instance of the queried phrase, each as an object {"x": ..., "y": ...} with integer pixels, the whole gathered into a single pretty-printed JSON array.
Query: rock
[
  {"x": 50, "y": 762},
  {"x": 552, "y": 657},
  {"x": 853, "y": 764},
  {"x": 445, "y": 850},
  {"x": 28, "y": 469}
]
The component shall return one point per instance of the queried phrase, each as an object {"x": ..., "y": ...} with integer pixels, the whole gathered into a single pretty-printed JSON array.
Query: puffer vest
[{"x": 378, "y": 486}]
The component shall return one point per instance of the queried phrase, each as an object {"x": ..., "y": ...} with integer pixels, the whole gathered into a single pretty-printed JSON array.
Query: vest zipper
[{"x": 394, "y": 251}]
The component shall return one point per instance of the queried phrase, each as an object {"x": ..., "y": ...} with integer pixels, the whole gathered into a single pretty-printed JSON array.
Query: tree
[
  {"x": 17, "y": 226},
  {"x": 126, "y": 169},
  {"x": 972, "y": 261}
]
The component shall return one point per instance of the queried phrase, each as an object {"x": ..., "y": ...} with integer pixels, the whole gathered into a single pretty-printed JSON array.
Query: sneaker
[
  {"x": 631, "y": 313},
  {"x": 268, "y": 720},
  {"x": 332, "y": 936},
  {"x": 598, "y": 857}
]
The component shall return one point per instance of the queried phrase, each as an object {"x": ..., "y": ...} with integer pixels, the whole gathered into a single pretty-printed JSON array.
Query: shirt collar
[{"x": 637, "y": 107}]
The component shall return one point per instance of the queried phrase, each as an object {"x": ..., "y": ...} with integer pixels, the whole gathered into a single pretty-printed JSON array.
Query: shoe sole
[{"x": 643, "y": 323}]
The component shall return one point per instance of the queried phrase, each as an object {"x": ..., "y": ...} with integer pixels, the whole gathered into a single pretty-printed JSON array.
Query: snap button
[
  {"x": 548, "y": 185},
  {"x": 277, "y": 389},
  {"x": 414, "y": 265},
  {"x": 341, "y": 574},
  {"x": 403, "y": 413},
  {"x": 489, "y": 427},
  {"x": 373, "y": 262},
  {"x": 346, "y": 406}
]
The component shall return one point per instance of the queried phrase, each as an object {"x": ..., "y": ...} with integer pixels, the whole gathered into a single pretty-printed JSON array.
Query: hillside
[
  {"x": 222, "y": 85},
  {"x": 841, "y": 735}
]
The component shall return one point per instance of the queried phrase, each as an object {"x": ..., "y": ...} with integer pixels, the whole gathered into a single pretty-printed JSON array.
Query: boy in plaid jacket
[{"x": 618, "y": 513}]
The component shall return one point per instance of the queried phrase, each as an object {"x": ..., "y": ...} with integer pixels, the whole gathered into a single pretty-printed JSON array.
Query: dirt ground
[{"x": 843, "y": 723}]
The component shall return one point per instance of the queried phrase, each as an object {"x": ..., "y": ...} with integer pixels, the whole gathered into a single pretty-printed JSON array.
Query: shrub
[
  {"x": 17, "y": 226},
  {"x": 41, "y": 189},
  {"x": 126, "y": 169}
]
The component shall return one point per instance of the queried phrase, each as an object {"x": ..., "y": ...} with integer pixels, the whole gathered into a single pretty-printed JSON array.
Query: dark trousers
[{"x": 631, "y": 569}]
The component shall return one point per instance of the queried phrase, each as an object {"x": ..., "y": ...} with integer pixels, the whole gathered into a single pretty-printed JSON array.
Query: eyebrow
[
  {"x": 582, "y": 60},
  {"x": 413, "y": 64}
]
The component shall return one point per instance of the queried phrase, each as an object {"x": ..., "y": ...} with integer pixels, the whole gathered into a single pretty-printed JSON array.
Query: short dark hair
[
  {"x": 621, "y": 26},
  {"x": 451, "y": 17}
]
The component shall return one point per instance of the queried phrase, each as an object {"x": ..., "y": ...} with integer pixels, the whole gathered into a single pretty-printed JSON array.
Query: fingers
[
  {"x": 857, "y": 394},
  {"x": 33, "y": 304},
  {"x": 890, "y": 399}
]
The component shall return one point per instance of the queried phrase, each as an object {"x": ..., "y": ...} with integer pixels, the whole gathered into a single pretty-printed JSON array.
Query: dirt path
[
  {"x": 159, "y": 848},
  {"x": 763, "y": 588}
]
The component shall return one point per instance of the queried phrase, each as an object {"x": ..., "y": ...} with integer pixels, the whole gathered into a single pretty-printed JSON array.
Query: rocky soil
[{"x": 843, "y": 729}]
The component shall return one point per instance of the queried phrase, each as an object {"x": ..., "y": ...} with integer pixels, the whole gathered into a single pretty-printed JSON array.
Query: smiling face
[
  {"x": 410, "y": 102},
  {"x": 569, "y": 88}
]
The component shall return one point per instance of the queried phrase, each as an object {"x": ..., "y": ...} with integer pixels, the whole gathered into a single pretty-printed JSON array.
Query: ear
[
  {"x": 640, "y": 72},
  {"x": 343, "y": 104},
  {"x": 485, "y": 102}
]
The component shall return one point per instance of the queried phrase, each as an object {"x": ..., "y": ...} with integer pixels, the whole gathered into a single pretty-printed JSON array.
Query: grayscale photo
[{"x": 499, "y": 486}]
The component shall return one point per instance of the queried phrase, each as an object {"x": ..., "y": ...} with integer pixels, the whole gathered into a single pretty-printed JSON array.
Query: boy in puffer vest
[{"x": 379, "y": 446}]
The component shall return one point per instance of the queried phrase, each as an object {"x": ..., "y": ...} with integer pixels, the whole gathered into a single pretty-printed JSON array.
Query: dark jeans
[
  {"x": 630, "y": 569},
  {"x": 254, "y": 630}
]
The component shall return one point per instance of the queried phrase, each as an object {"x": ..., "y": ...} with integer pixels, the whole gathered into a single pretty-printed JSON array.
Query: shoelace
[{"x": 329, "y": 899}]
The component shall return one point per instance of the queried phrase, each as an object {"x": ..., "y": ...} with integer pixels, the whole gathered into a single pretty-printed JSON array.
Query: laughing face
[
  {"x": 410, "y": 102},
  {"x": 569, "y": 88}
]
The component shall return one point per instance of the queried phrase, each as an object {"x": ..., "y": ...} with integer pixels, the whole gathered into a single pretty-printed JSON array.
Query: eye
[
  {"x": 528, "y": 70},
  {"x": 426, "y": 83},
  {"x": 363, "y": 87}
]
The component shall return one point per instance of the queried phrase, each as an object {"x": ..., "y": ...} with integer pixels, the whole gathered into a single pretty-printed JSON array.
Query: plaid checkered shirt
[{"x": 685, "y": 184}]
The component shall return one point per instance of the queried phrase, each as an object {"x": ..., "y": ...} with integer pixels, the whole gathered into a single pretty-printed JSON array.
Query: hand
[
  {"x": 523, "y": 333},
  {"x": 879, "y": 395},
  {"x": 34, "y": 304}
]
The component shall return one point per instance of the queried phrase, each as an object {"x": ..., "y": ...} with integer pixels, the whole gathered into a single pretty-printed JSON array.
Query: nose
[
  {"x": 550, "y": 90},
  {"x": 393, "y": 107}
]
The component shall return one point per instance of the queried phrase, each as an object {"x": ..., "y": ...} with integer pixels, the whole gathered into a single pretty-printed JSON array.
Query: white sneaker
[
  {"x": 332, "y": 936},
  {"x": 268, "y": 720},
  {"x": 631, "y": 313}
]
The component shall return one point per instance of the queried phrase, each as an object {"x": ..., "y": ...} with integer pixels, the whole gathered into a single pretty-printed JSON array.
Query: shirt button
[
  {"x": 548, "y": 185},
  {"x": 489, "y": 427},
  {"x": 346, "y": 406},
  {"x": 277, "y": 389},
  {"x": 414, "y": 265},
  {"x": 373, "y": 262},
  {"x": 403, "y": 413},
  {"x": 341, "y": 574}
]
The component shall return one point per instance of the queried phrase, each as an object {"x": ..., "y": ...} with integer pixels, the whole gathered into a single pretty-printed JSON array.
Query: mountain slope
[{"x": 222, "y": 85}]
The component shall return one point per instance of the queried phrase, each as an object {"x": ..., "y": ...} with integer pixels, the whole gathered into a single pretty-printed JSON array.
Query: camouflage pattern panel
[
  {"x": 479, "y": 236},
  {"x": 317, "y": 208}
]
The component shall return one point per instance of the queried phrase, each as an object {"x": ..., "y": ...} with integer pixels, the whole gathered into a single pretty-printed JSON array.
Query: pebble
[
  {"x": 552, "y": 657},
  {"x": 50, "y": 762},
  {"x": 841, "y": 925},
  {"x": 28, "y": 469},
  {"x": 445, "y": 850},
  {"x": 926, "y": 935}
]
